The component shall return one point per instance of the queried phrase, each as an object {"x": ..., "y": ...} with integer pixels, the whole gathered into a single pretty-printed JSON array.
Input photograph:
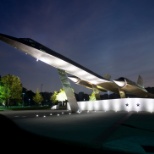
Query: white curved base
[{"x": 122, "y": 104}]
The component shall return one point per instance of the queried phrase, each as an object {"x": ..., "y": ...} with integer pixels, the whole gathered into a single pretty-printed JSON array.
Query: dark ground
[{"x": 15, "y": 139}]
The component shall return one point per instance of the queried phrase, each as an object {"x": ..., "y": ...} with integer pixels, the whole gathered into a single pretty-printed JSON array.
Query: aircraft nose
[{"x": 74, "y": 78}]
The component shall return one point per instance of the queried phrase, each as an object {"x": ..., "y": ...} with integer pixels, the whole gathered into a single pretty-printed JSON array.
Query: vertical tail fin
[{"x": 140, "y": 81}]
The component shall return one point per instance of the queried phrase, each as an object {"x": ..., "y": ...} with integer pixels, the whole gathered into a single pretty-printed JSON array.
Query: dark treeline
[{"x": 81, "y": 96}]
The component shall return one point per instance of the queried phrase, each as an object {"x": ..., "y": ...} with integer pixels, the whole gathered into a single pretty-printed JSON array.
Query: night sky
[{"x": 113, "y": 37}]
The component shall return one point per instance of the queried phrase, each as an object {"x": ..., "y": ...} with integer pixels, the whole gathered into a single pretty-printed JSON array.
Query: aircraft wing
[{"x": 48, "y": 56}]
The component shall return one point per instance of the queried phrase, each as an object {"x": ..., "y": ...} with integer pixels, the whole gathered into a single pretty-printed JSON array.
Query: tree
[
  {"x": 61, "y": 96},
  {"x": 53, "y": 97},
  {"x": 12, "y": 88},
  {"x": 92, "y": 97},
  {"x": 38, "y": 98},
  {"x": 4, "y": 94}
]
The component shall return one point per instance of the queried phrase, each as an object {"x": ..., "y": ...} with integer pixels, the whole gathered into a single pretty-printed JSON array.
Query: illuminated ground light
[
  {"x": 90, "y": 106},
  {"x": 69, "y": 113},
  {"x": 58, "y": 114},
  {"x": 37, "y": 115},
  {"x": 62, "y": 113},
  {"x": 97, "y": 105},
  {"x": 149, "y": 106},
  {"x": 82, "y": 105},
  {"x": 44, "y": 116},
  {"x": 50, "y": 113},
  {"x": 106, "y": 106},
  {"x": 116, "y": 107}
]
